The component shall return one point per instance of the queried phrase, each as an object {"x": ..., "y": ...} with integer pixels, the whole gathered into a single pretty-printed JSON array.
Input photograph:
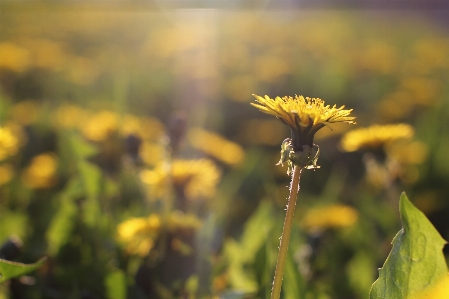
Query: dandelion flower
[
  {"x": 304, "y": 115},
  {"x": 216, "y": 145},
  {"x": 194, "y": 178},
  {"x": 138, "y": 235},
  {"x": 332, "y": 216},
  {"x": 375, "y": 136},
  {"x": 41, "y": 173},
  {"x": 100, "y": 126}
]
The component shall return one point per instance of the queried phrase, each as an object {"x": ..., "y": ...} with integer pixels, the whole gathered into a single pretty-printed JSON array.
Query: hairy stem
[{"x": 285, "y": 238}]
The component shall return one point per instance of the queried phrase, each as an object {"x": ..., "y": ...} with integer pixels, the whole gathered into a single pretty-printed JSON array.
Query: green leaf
[
  {"x": 90, "y": 175},
  {"x": 293, "y": 285},
  {"x": 81, "y": 148},
  {"x": 115, "y": 284},
  {"x": 10, "y": 269},
  {"x": 241, "y": 254},
  {"x": 416, "y": 260},
  {"x": 257, "y": 228},
  {"x": 91, "y": 178},
  {"x": 63, "y": 222}
]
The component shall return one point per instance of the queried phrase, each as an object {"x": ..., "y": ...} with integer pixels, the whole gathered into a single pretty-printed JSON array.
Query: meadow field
[{"x": 131, "y": 158}]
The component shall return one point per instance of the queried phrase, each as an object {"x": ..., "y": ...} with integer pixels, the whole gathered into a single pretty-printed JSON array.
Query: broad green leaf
[
  {"x": 416, "y": 260},
  {"x": 10, "y": 269},
  {"x": 115, "y": 284}
]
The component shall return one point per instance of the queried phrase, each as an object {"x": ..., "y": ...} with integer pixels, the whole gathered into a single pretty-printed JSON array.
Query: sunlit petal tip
[{"x": 259, "y": 98}]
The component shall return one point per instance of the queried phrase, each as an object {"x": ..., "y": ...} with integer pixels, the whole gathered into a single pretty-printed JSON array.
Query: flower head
[
  {"x": 331, "y": 216},
  {"x": 216, "y": 146},
  {"x": 195, "y": 179},
  {"x": 41, "y": 173},
  {"x": 305, "y": 116},
  {"x": 138, "y": 235},
  {"x": 375, "y": 136}
]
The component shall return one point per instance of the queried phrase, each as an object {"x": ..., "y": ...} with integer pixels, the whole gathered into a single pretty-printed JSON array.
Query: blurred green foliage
[{"x": 131, "y": 158}]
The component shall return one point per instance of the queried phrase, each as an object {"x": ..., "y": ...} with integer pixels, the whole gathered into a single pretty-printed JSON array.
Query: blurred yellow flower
[
  {"x": 305, "y": 116},
  {"x": 100, "y": 126},
  {"x": 195, "y": 178},
  {"x": 41, "y": 173},
  {"x": 138, "y": 235},
  {"x": 151, "y": 129},
  {"x": 131, "y": 125},
  {"x": 9, "y": 143},
  {"x": 13, "y": 57},
  {"x": 216, "y": 145},
  {"x": 151, "y": 153},
  {"x": 437, "y": 291},
  {"x": 331, "y": 216},
  {"x": 6, "y": 173},
  {"x": 375, "y": 136}
]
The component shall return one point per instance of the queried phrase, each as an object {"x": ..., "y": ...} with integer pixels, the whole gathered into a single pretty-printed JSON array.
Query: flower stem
[{"x": 285, "y": 238}]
